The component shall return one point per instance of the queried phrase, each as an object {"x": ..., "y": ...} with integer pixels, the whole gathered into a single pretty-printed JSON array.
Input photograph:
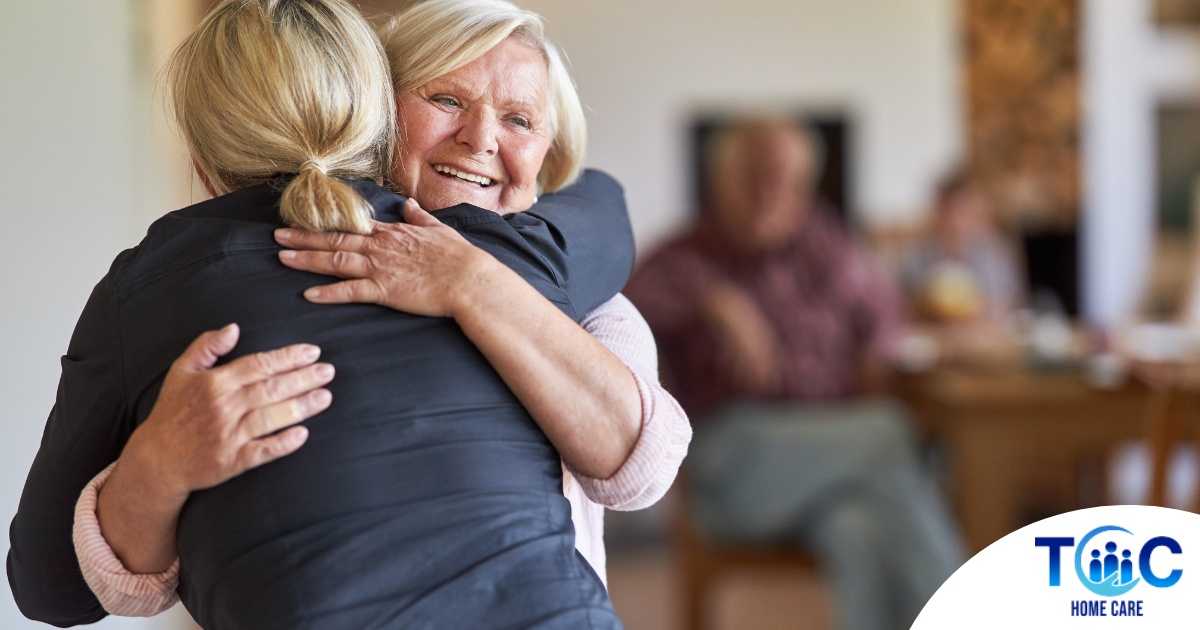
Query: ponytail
[{"x": 315, "y": 201}]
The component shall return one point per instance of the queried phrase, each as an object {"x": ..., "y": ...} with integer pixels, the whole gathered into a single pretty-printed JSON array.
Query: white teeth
[{"x": 470, "y": 177}]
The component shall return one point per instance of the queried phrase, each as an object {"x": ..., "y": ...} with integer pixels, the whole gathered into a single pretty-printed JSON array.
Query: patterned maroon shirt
[{"x": 828, "y": 305}]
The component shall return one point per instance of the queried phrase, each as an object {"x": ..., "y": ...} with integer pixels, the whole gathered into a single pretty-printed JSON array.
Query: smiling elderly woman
[{"x": 424, "y": 496}]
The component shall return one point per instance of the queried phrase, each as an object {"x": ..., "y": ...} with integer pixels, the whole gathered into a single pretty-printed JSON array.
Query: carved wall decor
[{"x": 1022, "y": 83}]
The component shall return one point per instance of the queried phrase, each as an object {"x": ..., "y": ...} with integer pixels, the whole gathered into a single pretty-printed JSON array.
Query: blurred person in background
[
  {"x": 773, "y": 328},
  {"x": 963, "y": 271}
]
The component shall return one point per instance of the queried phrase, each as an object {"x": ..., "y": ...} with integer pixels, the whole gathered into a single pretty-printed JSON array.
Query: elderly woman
[{"x": 466, "y": 137}]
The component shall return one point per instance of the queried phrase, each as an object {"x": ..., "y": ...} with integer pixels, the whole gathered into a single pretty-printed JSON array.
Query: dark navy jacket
[{"x": 425, "y": 497}]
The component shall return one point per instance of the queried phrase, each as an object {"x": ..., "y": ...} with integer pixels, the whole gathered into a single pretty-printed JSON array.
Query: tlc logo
[{"x": 1105, "y": 563}]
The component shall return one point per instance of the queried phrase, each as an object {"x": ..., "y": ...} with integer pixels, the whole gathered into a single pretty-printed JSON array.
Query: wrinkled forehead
[{"x": 512, "y": 74}]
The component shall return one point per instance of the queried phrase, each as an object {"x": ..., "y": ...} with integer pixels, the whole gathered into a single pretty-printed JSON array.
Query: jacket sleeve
[
  {"x": 583, "y": 233},
  {"x": 86, "y": 430}
]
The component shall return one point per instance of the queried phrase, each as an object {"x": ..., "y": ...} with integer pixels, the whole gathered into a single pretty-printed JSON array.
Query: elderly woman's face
[{"x": 479, "y": 134}]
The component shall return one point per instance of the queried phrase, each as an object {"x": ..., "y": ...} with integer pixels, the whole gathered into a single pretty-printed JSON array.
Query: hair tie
[{"x": 314, "y": 165}]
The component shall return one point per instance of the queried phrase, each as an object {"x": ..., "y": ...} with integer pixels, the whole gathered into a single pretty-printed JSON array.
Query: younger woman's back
[{"x": 425, "y": 495}]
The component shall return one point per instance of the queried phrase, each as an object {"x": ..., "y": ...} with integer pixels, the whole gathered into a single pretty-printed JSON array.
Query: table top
[{"x": 950, "y": 386}]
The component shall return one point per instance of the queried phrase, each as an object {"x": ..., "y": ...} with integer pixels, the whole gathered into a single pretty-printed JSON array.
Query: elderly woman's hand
[
  {"x": 208, "y": 425},
  {"x": 421, "y": 267}
]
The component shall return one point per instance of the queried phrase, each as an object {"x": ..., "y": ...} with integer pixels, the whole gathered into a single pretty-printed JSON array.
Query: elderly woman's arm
[
  {"x": 651, "y": 468},
  {"x": 581, "y": 395}
]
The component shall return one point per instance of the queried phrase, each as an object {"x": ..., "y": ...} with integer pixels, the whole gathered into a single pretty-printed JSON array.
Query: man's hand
[{"x": 748, "y": 346}]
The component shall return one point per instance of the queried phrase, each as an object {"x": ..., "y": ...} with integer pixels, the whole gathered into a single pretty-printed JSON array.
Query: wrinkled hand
[
  {"x": 747, "y": 345},
  {"x": 421, "y": 266},
  {"x": 211, "y": 424}
]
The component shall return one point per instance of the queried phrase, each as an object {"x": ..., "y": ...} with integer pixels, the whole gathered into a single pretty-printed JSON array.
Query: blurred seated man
[
  {"x": 772, "y": 325},
  {"x": 964, "y": 272}
]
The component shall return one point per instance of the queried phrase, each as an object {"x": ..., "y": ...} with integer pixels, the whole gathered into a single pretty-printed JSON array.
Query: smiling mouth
[{"x": 450, "y": 171}]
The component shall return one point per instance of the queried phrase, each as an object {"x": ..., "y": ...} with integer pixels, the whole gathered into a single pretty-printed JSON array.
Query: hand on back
[
  {"x": 421, "y": 267},
  {"x": 211, "y": 424}
]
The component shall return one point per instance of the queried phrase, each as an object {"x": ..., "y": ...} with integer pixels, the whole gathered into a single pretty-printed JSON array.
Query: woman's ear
[{"x": 203, "y": 178}]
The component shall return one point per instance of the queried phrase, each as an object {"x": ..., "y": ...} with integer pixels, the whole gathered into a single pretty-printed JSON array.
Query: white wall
[
  {"x": 644, "y": 67},
  {"x": 71, "y": 137},
  {"x": 1129, "y": 67}
]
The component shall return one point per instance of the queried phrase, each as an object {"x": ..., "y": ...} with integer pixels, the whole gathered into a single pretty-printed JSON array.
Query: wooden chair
[
  {"x": 702, "y": 561},
  {"x": 1170, "y": 412}
]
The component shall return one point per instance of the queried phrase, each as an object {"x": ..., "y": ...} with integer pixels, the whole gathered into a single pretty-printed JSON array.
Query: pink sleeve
[
  {"x": 662, "y": 444},
  {"x": 119, "y": 591}
]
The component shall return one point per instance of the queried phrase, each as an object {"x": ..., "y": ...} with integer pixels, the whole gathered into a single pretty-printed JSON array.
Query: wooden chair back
[{"x": 702, "y": 561}]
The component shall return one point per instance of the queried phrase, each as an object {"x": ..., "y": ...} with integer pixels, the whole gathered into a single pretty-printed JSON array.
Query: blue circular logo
[{"x": 1108, "y": 577}]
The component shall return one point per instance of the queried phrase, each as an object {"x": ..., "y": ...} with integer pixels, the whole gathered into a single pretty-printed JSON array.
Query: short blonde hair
[
  {"x": 270, "y": 87},
  {"x": 434, "y": 38}
]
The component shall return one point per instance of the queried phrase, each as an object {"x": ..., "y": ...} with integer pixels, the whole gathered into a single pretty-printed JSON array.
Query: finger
[
  {"x": 281, "y": 387},
  {"x": 260, "y": 365},
  {"x": 415, "y": 215},
  {"x": 320, "y": 241},
  {"x": 271, "y": 418},
  {"x": 361, "y": 291},
  {"x": 341, "y": 264},
  {"x": 255, "y": 453},
  {"x": 204, "y": 351}
]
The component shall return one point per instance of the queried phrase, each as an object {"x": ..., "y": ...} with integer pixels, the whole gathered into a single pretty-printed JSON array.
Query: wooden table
[{"x": 1003, "y": 431}]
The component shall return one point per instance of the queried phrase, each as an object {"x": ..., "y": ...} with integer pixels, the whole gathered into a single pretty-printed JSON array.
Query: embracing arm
[
  {"x": 208, "y": 424},
  {"x": 641, "y": 480},
  {"x": 651, "y": 468},
  {"x": 119, "y": 590},
  {"x": 581, "y": 395}
]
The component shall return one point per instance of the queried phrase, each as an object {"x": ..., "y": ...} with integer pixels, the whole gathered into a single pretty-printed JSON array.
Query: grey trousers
[{"x": 844, "y": 482}]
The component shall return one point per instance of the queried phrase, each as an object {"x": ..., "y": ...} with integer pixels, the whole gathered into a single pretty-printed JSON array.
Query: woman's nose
[{"x": 480, "y": 132}]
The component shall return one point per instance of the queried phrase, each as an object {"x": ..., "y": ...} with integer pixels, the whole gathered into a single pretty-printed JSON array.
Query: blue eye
[
  {"x": 521, "y": 122},
  {"x": 448, "y": 101}
]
